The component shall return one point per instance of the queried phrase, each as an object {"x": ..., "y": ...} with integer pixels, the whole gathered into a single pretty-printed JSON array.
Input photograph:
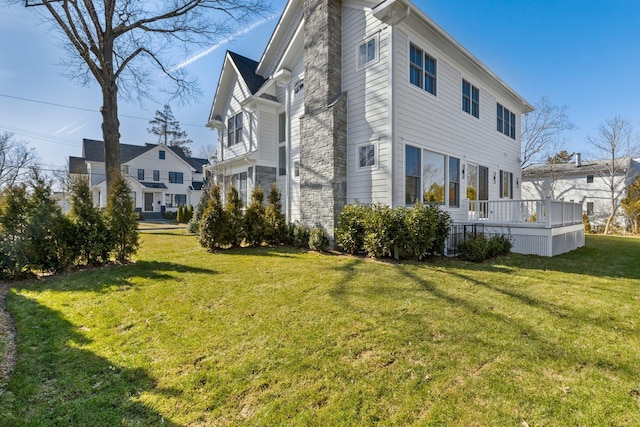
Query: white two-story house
[
  {"x": 586, "y": 182},
  {"x": 361, "y": 101},
  {"x": 161, "y": 177}
]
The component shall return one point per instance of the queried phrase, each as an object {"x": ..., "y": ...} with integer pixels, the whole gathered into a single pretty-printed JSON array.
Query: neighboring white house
[
  {"x": 161, "y": 177},
  {"x": 586, "y": 182},
  {"x": 361, "y": 101}
]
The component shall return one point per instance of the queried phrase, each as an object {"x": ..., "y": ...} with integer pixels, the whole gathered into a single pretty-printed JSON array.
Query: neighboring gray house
[
  {"x": 362, "y": 101},
  {"x": 161, "y": 177},
  {"x": 585, "y": 182}
]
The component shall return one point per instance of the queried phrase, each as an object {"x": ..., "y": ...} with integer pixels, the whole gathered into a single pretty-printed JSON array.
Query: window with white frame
[
  {"x": 298, "y": 86},
  {"x": 368, "y": 51},
  {"x": 234, "y": 129},
  {"x": 589, "y": 208},
  {"x": 470, "y": 99},
  {"x": 366, "y": 155},
  {"x": 506, "y": 185},
  {"x": 589, "y": 179},
  {"x": 431, "y": 177},
  {"x": 156, "y": 175},
  {"x": 505, "y": 121},
  {"x": 422, "y": 69},
  {"x": 240, "y": 182},
  {"x": 176, "y": 177},
  {"x": 140, "y": 174}
]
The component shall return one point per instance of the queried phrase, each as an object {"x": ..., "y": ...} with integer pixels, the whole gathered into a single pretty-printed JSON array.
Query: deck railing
[{"x": 548, "y": 213}]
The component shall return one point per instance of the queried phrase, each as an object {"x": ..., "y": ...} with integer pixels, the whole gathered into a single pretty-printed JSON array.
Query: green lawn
[{"x": 283, "y": 337}]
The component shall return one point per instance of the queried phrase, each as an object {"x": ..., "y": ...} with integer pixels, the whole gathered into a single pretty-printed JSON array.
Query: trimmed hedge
[
  {"x": 378, "y": 230},
  {"x": 478, "y": 248}
]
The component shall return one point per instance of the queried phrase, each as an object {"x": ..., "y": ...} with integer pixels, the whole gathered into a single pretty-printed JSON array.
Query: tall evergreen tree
[
  {"x": 92, "y": 234},
  {"x": 168, "y": 130},
  {"x": 122, "y": 220}
]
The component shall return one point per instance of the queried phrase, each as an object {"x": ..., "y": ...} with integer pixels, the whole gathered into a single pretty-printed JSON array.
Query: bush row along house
[
  {"x": 161, "y": 177},
  {"x": 587, "y": 183},
  {"x": 360, "y": 101}
]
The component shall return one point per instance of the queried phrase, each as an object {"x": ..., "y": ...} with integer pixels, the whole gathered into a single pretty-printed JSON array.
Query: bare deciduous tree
[
  {"x": 16, "y": 160},
  {"x": 120, "y": 43},
  {"x": 541, "y": 131},
  {"x": 615, "y": 143}
]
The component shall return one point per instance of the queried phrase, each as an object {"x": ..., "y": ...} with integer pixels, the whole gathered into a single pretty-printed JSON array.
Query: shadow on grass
[
  {"x": 57, "y": 381},
  {"x": 119, "y": 276}
]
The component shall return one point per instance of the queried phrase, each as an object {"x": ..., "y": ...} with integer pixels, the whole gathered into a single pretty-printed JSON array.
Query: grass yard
[{"x": 283, "y": 337}]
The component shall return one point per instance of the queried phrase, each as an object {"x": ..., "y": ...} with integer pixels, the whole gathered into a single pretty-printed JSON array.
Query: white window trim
[
  {"x": 408, "y": 68},
  {"x": 376, "y": 58},
  {"x": 376, "y": 156}
]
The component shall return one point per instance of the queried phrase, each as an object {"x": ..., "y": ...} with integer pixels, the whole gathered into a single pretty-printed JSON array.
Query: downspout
[
  {"x": 392, "y": 114},
  {"x": 287, "y": 115}
]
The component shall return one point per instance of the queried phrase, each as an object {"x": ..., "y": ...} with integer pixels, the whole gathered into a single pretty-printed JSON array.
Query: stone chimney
[
  {"x": 578, "y": 160},
  {"x": 323, "y": 142}
]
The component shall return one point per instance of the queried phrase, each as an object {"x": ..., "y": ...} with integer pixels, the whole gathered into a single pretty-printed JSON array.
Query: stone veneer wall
[{"x": 323, "y": 143}]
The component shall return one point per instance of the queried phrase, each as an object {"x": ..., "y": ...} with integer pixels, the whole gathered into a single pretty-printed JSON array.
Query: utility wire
[{"x": 81, "y": 108}]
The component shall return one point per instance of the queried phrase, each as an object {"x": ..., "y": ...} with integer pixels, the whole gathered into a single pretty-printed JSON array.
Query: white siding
[
  {"x": 235, "y": 96},
  {"x": 367, "y": 106},
  {"x": 438, "y": 122}
]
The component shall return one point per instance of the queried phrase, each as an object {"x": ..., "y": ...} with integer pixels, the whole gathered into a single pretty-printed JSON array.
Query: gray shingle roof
[
  {"x": 247, "y": 68},
  {"x": 569, "y": 169},
  {"x": 77, "y": 165}
]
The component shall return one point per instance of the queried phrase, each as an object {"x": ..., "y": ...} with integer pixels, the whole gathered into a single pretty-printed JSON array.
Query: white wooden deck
[{"x": 540, "y": 227}]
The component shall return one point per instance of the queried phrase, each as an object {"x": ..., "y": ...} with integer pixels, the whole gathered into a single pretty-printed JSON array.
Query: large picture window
[{"x": 433, "y": 172}]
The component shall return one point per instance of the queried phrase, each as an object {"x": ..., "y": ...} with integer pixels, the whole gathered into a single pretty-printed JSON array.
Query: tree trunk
[{"x": 111, "y": 134}]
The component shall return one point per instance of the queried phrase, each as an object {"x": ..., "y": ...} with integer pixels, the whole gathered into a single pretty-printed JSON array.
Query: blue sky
[{"x": 582, "y": 54}]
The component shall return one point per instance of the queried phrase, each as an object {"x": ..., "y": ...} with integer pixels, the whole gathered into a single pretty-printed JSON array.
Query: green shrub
[
  {"x": 442, "y": 229},
  {"x": 179, "y": 215},
  {"x": 473, "y": 248},
  {"x": 254, "y": 218},
  {"x": 351, "y": 230},
  {"x": 14, "y": 204},
  {"x": 318, "y": 240},
  {"x": 46, "y": 232},
  {"x": 213, "y": 222},
  {"x": 193, "y": 226},
  {"x": 498, "y": 245},
  {"x": 121, "y": 220},
  {"x": 275, "y": 222},
  {"x": 420, "y": 223},
  {"x": 233, "y": 211},
  {"x": 300, "y": 236},
  {"x": 187, "y": 214},
  {"x": 94, "y": 244},
  {"x": 170, "y": 215},
  {"x": 587, "y": 223}
]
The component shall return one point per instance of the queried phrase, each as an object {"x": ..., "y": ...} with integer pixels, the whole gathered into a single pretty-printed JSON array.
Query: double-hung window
[
  {"x": 176, "y": 177},
  {"x": 140, "y": 174},
  {"x": 422, "y": 69},
  {"x": 156, "y": 175},
  {"x": 234, "y": 130},
  {"x": 470, "y": 99},
  {"x": 368, "y": 51},
  {"x": 505, "y": 121}
]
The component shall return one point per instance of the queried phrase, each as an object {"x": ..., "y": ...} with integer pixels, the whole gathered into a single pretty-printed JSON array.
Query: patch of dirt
[{"x": 8, "y": 335}]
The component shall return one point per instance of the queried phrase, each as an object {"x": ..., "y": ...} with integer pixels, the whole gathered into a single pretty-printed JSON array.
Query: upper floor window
[
  {"x": 589, "y": 179},
  {"x": 156, "y": 175},
  {"x": 368, "y": 51},
  {"x": 140, "y": 174},
  {"x": 422, "y": 69},
  {"x": 161, "y": 154},
  {"x": 176, "y": 177},
  {"x": 298, "y": 86},
  {"x": 234, "y": 130},
  {"x": 470, "y": 99},
  {"x": 506, "y": 121}
]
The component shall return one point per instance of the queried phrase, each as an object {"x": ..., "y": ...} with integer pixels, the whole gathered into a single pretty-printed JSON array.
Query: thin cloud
[{"x": 221, "y": 43}]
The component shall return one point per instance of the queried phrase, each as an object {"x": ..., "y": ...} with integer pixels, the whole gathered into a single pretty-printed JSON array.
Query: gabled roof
[
  {"x": 247, "y": 69},
  {"x": 93, "y": 151}
]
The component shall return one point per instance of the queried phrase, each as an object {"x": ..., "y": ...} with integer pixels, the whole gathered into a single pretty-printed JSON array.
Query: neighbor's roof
[{"x": 572, "y": 169}]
